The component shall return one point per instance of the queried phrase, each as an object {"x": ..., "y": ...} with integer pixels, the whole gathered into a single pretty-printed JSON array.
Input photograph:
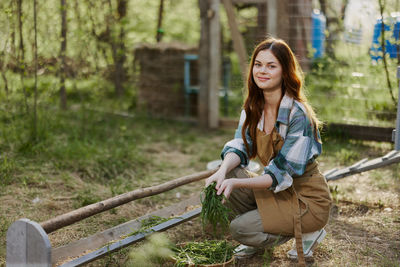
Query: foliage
[
  {"x": 86, "y": 197},
  {"x": 155, "y": 251},
  {"x": 350, "y": 89},
  {"x": 213, "y": 212},
  {"x": 7, "y": 168}
]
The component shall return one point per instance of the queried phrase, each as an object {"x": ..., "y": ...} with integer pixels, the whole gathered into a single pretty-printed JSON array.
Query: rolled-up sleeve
[
  {"x": 299, "y": 148},
  {"x": 236, "y": 145}
]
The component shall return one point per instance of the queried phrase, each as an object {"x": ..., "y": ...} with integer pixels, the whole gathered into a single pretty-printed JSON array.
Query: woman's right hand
[{"x": 218, "y": 177}]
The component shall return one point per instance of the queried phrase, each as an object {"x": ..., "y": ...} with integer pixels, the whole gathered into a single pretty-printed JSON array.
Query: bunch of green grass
[
  {"x": 213, "y": 212},
  {"x": 208, "y": 252}
]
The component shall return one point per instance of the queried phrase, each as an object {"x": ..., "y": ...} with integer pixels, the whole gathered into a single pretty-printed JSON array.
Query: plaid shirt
[{"x": 299, "y": 149}]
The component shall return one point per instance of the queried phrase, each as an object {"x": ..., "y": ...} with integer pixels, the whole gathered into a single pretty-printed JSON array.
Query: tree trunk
[
  {"x": 92, "y": 209},
  {"x": 3, "y": 75},
  {"x": 118, "y": 47},
  {"x": 160, "y": 31},
  {"x": 63, "y": 50},
  {"x": 383, "y": 45},
  {"x": 21, "y": 55},
  {"x": 34, "y": 134}
]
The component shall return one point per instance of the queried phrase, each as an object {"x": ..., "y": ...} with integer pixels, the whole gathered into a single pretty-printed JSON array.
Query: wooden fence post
[
  {"x": 210, "y": 63},
  {"x": 27, "y": 245}
]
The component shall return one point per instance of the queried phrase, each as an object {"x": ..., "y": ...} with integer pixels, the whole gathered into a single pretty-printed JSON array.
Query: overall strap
[{"x": 297, "y": 228}]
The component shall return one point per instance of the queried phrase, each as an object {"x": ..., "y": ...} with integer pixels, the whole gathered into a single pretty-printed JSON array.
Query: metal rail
[{"x": 131, "y": 239}]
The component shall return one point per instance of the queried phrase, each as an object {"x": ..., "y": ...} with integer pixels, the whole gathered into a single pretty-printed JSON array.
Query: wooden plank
[
  {"x": 237, "y": 38},
  {"x": 358, "y": 164},
  {"x": 330, "y": 172},
  {"x": 370, "y": 165},
  {"x": 390, "y": 154},
  {"x": 131, "y": 239},
  {"x": 372, "y": 133},
  {"x": 359, "y": 132},
  {"x": 98, "y": 240}
]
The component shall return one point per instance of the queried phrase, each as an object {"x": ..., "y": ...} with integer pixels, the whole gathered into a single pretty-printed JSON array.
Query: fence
[{"x": 28, "y": 243}]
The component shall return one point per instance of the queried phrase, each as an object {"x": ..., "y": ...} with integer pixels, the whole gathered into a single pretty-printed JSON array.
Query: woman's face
[{"x": 267, "y": 71}]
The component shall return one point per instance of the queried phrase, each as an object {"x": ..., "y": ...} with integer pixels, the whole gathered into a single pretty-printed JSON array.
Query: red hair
[{"x": 292, "y": 85}]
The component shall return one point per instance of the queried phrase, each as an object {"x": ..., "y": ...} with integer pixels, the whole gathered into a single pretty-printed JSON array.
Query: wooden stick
[{"x": 92, "y": 209}]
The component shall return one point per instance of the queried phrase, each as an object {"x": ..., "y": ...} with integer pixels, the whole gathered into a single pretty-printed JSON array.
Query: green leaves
[{"x": 213, "y": 212}]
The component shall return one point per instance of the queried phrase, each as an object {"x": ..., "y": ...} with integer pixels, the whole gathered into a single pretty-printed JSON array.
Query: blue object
[
  {"x": 318, "y": 25},
  {"x": 392, "y": 29},
  {"x": 194, "y": 89}
]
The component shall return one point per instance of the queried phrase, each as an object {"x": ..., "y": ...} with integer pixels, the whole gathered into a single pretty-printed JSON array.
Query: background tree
[
  {"x": 160, "y": 31},
  {"x": 382, "y": 4},
  {"x": 63, "y": 50},
  {"x": 118, "y": 47},
  {"x": 21, "y": 54},
  {"x": 35, "y": 46},
  {"x": 334, "y": 23}
]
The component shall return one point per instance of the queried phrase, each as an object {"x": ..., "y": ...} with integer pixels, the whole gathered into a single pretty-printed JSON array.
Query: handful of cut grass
[
  {"x": 213, "y": 212},
  {"x": 202, "y": 253}
]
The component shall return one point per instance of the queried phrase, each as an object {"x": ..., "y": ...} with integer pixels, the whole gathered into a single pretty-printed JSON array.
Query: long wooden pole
[{"x": 90, "y": 210}]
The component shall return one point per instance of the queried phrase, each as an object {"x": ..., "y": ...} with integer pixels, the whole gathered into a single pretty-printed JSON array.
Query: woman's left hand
[{"x": 227, "y": 186}]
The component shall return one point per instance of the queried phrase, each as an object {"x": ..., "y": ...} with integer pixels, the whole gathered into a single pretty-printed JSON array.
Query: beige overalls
[{"x": 267, "y": 218}]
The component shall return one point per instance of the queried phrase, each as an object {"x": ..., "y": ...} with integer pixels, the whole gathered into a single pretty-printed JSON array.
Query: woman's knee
[
  {"x": 237, "y": 228},
  {"x": 237, "y": 172}
]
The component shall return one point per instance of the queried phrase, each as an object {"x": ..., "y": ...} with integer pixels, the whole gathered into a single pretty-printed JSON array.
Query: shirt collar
[
  {"x": 283, "y": 112},
  {"x": 284, "y": 109}
]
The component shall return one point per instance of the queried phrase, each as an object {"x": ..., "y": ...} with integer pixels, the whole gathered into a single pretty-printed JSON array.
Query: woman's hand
[
  {"x": 218, "y": 177},
  {"x": 227, "y": 187}
]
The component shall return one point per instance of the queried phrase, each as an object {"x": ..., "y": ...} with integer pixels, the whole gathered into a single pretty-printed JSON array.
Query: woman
[{"x": 280, "y": 127}]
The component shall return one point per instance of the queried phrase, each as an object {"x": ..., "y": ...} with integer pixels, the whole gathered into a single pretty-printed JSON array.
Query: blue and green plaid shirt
[{"x": 299, "y": 149}]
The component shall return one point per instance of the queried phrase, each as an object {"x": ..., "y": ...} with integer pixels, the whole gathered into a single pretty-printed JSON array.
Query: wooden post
[
  {"x": 27, "y": 245},
  {"x": 299, "y": 31},
  {"x": 210, "y": 63},
  {"x": 272, "y": 24},
  {"x": 262, "y": 24},
  {"x": 237, "y": 38}
]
